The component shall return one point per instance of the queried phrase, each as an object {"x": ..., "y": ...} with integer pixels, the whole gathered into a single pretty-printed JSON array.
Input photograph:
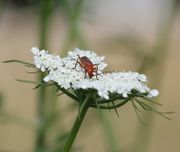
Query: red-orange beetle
[{"x": 88, "y": 66}]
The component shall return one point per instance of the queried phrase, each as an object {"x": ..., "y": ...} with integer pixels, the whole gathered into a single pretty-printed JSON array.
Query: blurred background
[{"x": 138, "y": 35}]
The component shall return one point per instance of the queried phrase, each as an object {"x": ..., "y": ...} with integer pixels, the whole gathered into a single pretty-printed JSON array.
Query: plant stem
[
  {"x": 46, "y": 9},
  {"x": 41, "y": 131},
  {"x": 80, "y": 117},
  {"x": 75, "y": 35}
]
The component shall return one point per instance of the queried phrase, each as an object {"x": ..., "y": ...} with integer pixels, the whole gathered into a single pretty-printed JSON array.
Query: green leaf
[
  {"x": 147, "y": 99},
  {"x": 69, "y": 94},
  {"x": 19, "y": 61},
  {"x": 115, "y": 108},
  {"x": 29, "y": 81},
  {"x": 37, "y": 86},
  {"x": 137, "y": 111},
  {"x": 60, "y": 94},
  {"x": 33, "y": 72},
  {"x": 98, "y": 108},
  {"x": 117, "y": 105},
  {"x": 149, "y": 108}
]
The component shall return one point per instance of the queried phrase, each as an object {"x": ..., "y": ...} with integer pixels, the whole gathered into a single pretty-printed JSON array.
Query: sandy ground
[{"x": 18, "y": 34}]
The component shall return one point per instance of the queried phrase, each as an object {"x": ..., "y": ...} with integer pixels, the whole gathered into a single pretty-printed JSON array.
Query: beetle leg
[
  {"x": 78, "y": 62},
  {"x": 95, "y": 69},
  {"x": 75, "y": 64}
]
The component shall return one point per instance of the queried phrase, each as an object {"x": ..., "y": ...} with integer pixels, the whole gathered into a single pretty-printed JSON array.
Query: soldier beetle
[{"x": 88, "y": 66}]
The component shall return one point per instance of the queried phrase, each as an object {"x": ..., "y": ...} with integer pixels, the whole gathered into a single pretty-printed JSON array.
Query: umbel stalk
[{"x": 80, "y": 117}]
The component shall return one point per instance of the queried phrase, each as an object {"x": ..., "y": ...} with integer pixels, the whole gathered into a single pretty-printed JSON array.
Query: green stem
[
  {"x": 41, "y": 131},
  {"x": 80, "y": 117},
  {"x": 74, "y": 32},
  {"x": 46, "y": 9}
]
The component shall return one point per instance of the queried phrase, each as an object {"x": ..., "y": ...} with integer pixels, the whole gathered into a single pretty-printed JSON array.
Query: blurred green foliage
[{"x": 1, "y": 101}]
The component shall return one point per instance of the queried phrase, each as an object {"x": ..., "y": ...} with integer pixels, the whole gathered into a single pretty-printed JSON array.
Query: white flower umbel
[
  {"x": 122, "y": 83},
  {"x": 64, "y": 72}
]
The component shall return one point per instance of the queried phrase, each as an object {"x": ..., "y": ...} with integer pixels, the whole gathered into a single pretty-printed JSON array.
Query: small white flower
[
  {"x": 142, "y": 78},
  {"x": 35, "y": 50},
  {"x": 153, "y": 93},
  {"x": 68, "y": 74},
  {"x": 125, "y": 95},
  {"x": 47, "y": 78}
]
